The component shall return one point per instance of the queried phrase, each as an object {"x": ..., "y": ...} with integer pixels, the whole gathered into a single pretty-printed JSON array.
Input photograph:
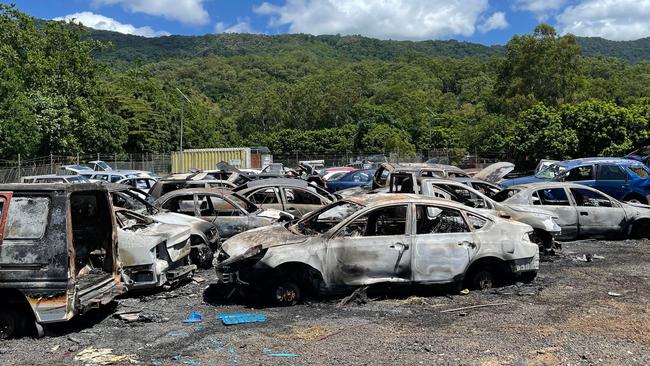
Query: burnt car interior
[
  {"x": 217, "y": 206},
  {"x": 265, "y": 196},
  {"x": 92, "y": 236},
  {"x": 551, "y": 197},
  {"x": 325, "y": 219},
  {"x": 436, "y": 220},
  {"x": 383, "y": 221},
  {"x": 181, "y": 204}
]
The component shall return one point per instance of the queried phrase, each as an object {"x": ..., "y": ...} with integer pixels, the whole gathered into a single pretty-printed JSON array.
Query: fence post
[
  {"x": 130, "y": 161},
  {"x": 77, "y": 158},
  {"x": 18, "y": 166},
  {"x": 51, "y": 164}
]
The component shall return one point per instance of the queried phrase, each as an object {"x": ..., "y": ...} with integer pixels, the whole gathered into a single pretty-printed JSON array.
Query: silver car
[
  {"x": 379, "y": 238},
  {"x": 583, "y": 212},
  {"x": 543, "y": 222}
]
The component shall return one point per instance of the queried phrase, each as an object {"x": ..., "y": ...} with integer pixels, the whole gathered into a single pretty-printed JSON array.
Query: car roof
[
  {"x": 71, "y": 187},
  {"x": 179, "y": 192},
  {"x": 276, "y": 182},
  {"x": 597, "y": 160},
  {"x": 377, "y": 199},
  {"x": 548, "y": 185}
]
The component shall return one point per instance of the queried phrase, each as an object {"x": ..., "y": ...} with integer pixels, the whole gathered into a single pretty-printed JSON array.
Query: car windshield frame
[
  {"x": 301, "y": 226},
  {"x": 551, "y": 172},
  {"x": 249, "y": 206}
]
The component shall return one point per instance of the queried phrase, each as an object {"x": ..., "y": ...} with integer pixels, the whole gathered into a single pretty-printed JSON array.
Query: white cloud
[
  {"x": 243, "y": 25},
  {"x": 98, "y": 21},
  {"x": 495, "y": 21},
  {"x": 541, "y": 8},
  {"x": 184, "y": 11},
  {"x": 611, "y": 19},
  {"x": 385, "y": 19}
]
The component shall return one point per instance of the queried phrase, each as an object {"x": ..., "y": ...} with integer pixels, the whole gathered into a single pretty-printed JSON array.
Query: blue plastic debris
[
  {"x": 191, "y": 362},
  {"x": 176, "y": 358},
  {"x": 272, "y": 354},
  {"x": 193, "y": 318},
  {"x": 231, "y": 319},
  {"x": 198, "y": 328},
  {"x": 156, "y": 362}
]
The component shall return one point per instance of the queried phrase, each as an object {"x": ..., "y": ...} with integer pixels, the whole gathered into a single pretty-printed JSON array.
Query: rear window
[
  {"x": 640, "y": 171},
  {"x": 27, "y": 217}
]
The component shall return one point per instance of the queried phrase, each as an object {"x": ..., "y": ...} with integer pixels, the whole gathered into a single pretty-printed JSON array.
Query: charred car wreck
[
  {"x": 379, "y": 238},
  {"x": 58, "y": 254}
]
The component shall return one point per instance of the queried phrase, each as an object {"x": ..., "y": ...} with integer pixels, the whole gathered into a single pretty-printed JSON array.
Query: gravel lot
[{"x": 575, "y": 312}]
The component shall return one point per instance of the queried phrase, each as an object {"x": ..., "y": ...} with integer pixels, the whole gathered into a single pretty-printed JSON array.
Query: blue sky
[{"x": 482, "y": 21}]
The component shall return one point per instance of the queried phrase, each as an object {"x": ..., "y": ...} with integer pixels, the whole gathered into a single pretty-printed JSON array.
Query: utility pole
[{"x": 182, "y": 98}]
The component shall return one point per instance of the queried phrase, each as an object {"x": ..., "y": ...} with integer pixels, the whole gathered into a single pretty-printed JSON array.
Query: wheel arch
[{"x": 303, "y": 273}]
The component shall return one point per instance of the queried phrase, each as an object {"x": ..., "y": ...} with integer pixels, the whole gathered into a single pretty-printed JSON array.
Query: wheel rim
[
  {"x": 484, "y": 280},
  {"x": 634, "y": 200},
  {"x": 286, "y": 293}
]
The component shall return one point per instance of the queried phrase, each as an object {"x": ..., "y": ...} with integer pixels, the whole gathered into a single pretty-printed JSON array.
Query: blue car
[
  {"x": 351, "y": 180},
  {"x": 624, "y": 179}
]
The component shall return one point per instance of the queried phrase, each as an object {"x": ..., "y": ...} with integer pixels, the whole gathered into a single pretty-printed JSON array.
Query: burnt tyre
[
  {"x": 527, "y": 277},
  {"x": 285, "y": 293},
  {"x": 201, "y": 255},
  {"x": 543, "y": 240},
  {"x": 9, "y": 322},
  {"x": 482, "y": 278}
]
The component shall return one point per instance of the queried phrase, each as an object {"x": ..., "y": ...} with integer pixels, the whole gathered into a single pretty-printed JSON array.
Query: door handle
[
  {"x": 291, "y": 209},
  {"x": 401, "y": 246},
  {"x": 467, "y": 243},
  {"x": 582, "y": 213}
]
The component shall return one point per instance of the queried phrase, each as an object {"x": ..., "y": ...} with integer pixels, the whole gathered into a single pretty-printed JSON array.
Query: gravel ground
[{"x": 575, "y": 312}]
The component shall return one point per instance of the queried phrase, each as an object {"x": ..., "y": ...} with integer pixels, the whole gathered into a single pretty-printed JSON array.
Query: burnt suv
[{"x": 58, "y": 254}]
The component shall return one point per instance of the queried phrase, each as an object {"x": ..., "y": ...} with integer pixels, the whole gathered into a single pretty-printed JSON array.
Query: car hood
[
  {"x": 263, "y": 237},
  {"x": 135, "y": 246},
  {"x": 273, "y": 214},
  {"x": 493, "y": 173}
]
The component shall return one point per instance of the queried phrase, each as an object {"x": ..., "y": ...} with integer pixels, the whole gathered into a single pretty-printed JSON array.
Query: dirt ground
[{"x": 575, "y": 312}]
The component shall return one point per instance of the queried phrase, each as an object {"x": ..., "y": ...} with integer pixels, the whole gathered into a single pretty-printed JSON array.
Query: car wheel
[
  {"x": 483, "y": 279},
  {"x": 202, "y": 256},
  {"x": 528, "y": 277},
  {"x": 8, "y": 322},
  {"x": 286, "y": 293},
  {"x": 635, "y": 199}
]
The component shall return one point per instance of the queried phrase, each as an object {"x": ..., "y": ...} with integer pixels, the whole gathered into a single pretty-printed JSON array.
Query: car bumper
[{"x": 525, "y": 264}]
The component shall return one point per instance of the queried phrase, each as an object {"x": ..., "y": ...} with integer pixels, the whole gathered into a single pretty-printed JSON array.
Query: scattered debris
[
  {"x": 176, "y": 358},
  {"x": 473, "y": 307},
  {"x": 464, "y": 292},
  {"x": 358, "y": 297},
  {"x": 268, "y": 352},
  {"x": 193, "y": 317},
  {"x": 614, "y": 294},
  {"x": 231, "y": 319},
  {"x": 198, "y": 279},
  {"x": 102, "y": 356},
  {"x": 128, "y": 316}
]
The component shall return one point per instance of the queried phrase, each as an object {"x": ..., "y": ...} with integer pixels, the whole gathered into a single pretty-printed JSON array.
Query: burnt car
[
  {"x": 295, "y": 196},
  {"x": 379, "y": 238},
  {"x": 544, "y": 223},
  {"x": 583, "y": 212},
  {"x": 59, "y": 254},
  {"x": 229, "y": 211},
  {"x": 152, "y": 254},
  {"x": 204, "y": 236},
  {"x": 206, "y": 179}
]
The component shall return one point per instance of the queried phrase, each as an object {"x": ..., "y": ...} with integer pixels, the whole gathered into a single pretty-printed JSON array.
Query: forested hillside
[
  {"x": 63, "y": 90},
  {"x": 129, "y": 49}
]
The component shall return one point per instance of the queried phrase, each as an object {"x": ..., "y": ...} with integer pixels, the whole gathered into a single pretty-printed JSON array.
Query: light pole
[{"x": 183, "y": 98}]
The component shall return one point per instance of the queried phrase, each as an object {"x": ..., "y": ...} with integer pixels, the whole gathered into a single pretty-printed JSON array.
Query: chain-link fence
[{"x": 11, "y": 171}]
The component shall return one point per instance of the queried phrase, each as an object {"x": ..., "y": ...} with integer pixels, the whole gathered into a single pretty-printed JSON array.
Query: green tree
[{"x": 540, "y": 67}]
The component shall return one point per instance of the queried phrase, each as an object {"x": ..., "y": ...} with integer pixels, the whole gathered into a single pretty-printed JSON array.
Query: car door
[
  {"x": 229, "y": 218},
  {"x": 442, "y": 245},
  {"x": 612, "y": 180},
  {"x": 299, "y": 202},
  {"x": 372, "y": 247},
  {"x": 266, "y": 197},
  {"x": 556, "y": 200},
  {"x": 599, "y": 217}
]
